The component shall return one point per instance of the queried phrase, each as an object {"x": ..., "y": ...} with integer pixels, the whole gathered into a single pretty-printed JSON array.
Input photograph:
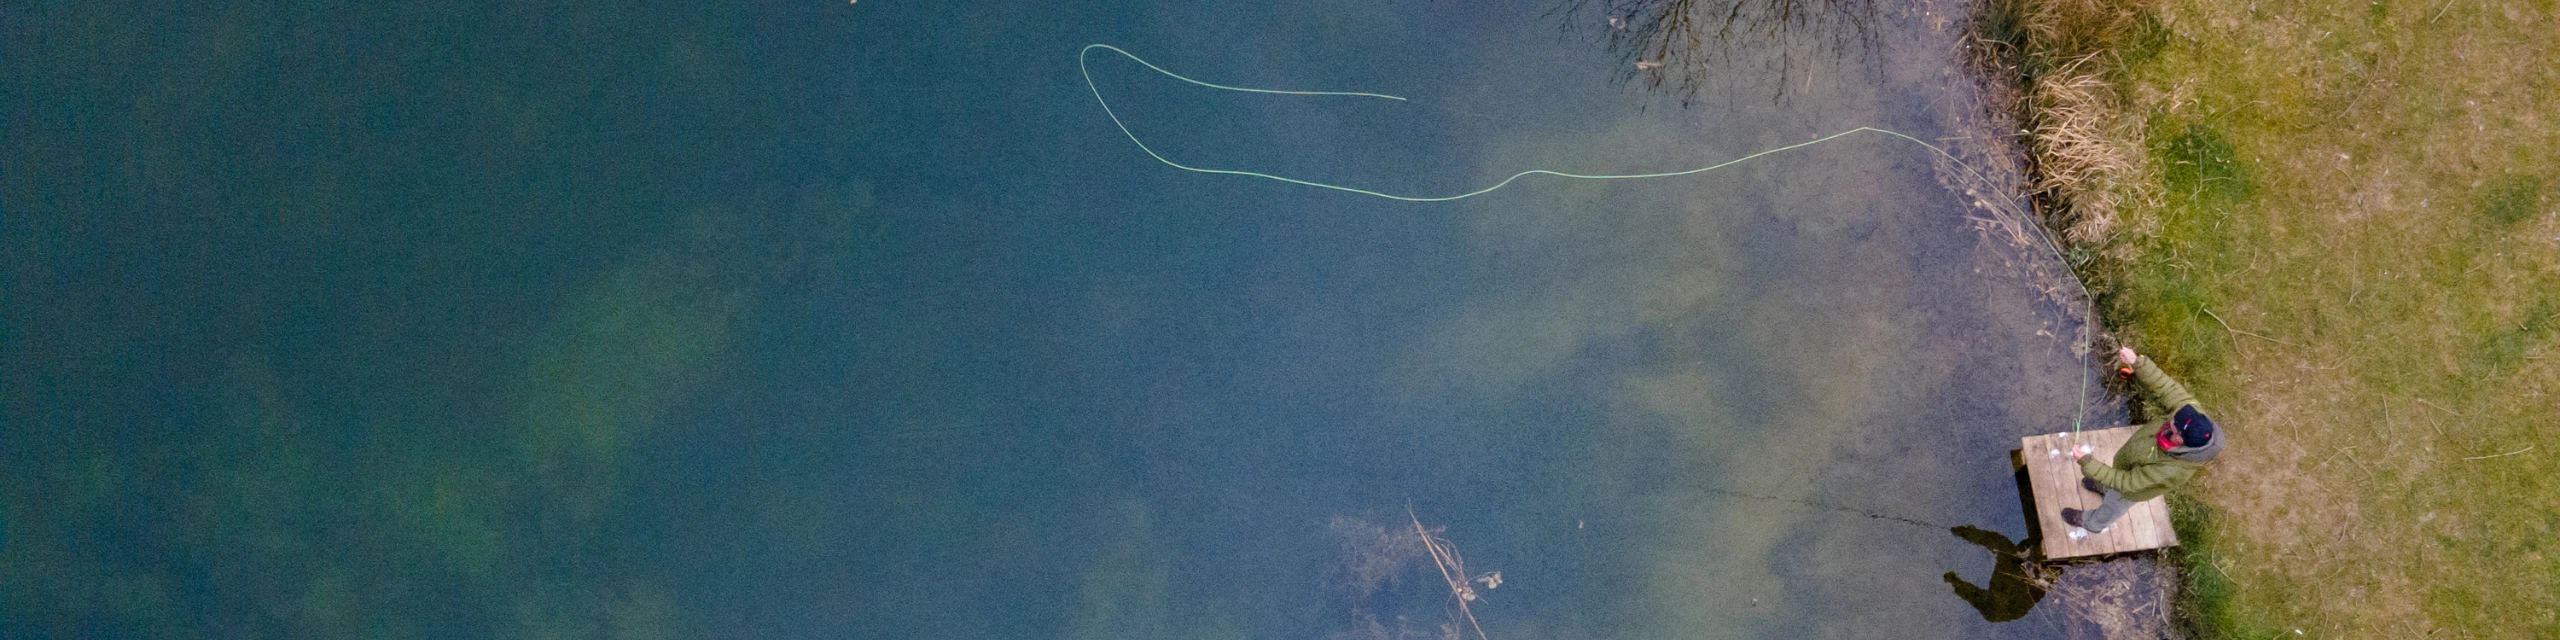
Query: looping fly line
[{"x": 1083, "y": 66}]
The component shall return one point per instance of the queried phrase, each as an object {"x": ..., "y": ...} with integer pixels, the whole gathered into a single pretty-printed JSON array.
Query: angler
[{"x": 2163, "y": 456}]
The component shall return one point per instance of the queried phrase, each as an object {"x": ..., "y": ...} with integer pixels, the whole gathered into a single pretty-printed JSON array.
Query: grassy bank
[{"x": 2339, "y": 221}]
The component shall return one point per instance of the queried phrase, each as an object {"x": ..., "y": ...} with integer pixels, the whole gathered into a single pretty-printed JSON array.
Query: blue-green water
[{"x": 807, "y": 319}]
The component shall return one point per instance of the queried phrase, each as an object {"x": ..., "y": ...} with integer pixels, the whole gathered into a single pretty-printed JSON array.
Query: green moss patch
[{"x": 2511, "y": 199}]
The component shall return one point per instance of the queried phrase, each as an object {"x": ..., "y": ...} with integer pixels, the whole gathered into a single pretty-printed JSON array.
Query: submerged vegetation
[
  {"x": 1683, "y": 48},
  {"x": 2337, "y": 219},
  {"x": 1387, "y": 587}
]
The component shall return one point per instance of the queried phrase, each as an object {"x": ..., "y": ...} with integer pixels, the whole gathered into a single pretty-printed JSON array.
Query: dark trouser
[{"x": 2109, "y": 508}]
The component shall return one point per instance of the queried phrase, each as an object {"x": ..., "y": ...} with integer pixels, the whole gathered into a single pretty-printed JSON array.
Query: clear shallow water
[{"x": 804, "y": 319}]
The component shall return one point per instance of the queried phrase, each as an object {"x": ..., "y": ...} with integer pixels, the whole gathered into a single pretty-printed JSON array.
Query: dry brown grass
[
  {"x": 2087, "y": 149},
  {"x": 2088, "y": 153},
  {"x": 2073, "y": 29}
]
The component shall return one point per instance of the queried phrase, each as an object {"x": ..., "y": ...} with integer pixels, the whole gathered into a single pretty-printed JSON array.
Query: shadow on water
[
  {"x": 2018, "y": 578},
  {"x": 1683, "y": 48},
  {"x": 2010, "y": 594}
]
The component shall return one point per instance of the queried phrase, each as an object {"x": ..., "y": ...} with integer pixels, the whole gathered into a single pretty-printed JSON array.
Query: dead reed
[{"x": 2087, "y": 153}]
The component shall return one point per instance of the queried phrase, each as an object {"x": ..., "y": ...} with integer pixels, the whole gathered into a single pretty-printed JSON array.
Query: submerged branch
[{"x": 1451, "y": 570}]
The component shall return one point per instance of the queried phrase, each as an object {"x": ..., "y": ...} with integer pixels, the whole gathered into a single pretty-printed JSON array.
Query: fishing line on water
[
  {"x": 1083, "y": 66},
  {"x": 1824, "y": 506}
]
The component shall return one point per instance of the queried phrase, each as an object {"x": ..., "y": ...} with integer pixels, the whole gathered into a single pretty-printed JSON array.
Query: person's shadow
[{"x": 2010, "y": 594}]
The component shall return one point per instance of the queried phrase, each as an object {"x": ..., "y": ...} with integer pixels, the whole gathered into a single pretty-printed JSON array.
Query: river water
[{"x": 806, "y": 319}]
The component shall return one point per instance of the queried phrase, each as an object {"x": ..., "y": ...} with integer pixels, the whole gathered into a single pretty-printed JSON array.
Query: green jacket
[{"x": 2142, "y": 469}]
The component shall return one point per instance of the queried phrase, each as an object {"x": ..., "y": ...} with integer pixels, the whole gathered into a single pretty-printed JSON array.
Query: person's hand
[
  {"x": 2081, "y": 451},
  {"x": 2127, "y": 355}
]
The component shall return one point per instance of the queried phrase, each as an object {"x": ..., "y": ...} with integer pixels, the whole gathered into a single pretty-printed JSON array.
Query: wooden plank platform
[{"x": 2055, "y": 481}]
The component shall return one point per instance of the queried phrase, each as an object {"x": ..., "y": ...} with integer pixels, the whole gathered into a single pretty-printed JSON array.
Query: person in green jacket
[{"x": 2159, "y": 457}]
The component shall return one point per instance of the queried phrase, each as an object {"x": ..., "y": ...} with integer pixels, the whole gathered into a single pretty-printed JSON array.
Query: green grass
[
  {"x": 2512, "y": 199},
  {"x": 2344, "y": 239},
  {"x": 2502, "y": 348},
  {"x": 2204, "y": 590}
]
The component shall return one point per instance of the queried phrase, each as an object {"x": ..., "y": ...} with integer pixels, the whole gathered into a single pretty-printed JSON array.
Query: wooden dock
[{"x": 2054, "y": 478}]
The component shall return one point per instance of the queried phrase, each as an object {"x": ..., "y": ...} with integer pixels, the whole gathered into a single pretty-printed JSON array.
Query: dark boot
[
  {"x": 2072, "y": 517},
  {"x": 2093, "y": 486}
]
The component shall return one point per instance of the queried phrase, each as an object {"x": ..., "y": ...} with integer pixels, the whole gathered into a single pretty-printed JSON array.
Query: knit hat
[{"x": 2193, "y": 426}]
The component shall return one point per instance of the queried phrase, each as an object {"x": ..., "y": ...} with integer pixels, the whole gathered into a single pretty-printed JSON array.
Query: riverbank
[{"x": 2336, "y": 221}]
